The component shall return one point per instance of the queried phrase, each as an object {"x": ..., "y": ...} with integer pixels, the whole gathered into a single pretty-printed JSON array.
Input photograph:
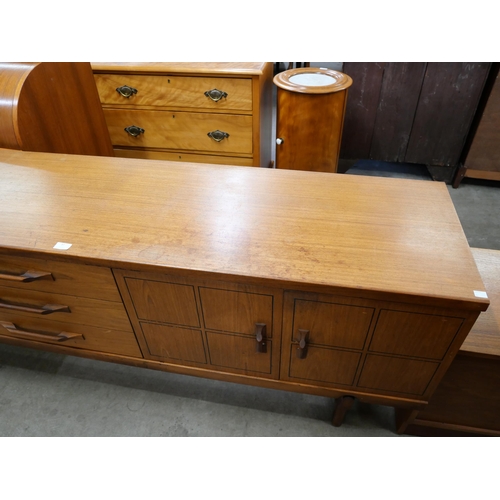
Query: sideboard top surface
[
  {"x": 197, "y": 68},
  {"x": 396, "y": 236}
]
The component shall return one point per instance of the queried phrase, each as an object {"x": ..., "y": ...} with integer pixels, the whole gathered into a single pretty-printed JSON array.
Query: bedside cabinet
[{"x": 194, "y": 112}]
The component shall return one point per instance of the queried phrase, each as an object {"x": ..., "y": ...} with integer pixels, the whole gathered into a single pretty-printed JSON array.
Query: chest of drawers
[
  {"x": 63, "y": 304},
  {"x": 321, "y": 283},
  {"x": 196, "y": 112}
]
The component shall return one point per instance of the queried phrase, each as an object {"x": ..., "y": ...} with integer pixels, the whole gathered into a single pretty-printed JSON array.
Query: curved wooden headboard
[{"x": 52, "y": 107}]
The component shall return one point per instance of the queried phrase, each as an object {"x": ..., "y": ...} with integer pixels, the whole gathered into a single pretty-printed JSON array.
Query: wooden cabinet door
[
  {"x": 333, "y": 331},
  {"x": 411, "y": 112},
  {"x": 226, "y": 327}
]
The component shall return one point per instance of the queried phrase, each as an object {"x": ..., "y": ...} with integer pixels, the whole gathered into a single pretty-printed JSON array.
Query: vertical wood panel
[
  {"x": 396, "y": 110},
  {"x": 448, "y": 101},
  {"x": 361, "y": 109},
  {"x": 484, "y": 153}
]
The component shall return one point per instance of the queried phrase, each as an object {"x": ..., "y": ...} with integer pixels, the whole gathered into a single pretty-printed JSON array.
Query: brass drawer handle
[
  {"x": 218, "y": 135},
  {"x": 134, "y": 131},
  {"x": 215, "y": 95},
  {"x": 59, "y": 337},
  {"x": 302, "y": 347},
  {"x": 126, "y": 91},
  {"x": 26, "y": 277},
  {"x": 44, "y": 310},
  {"x": 260, "y": 337}
]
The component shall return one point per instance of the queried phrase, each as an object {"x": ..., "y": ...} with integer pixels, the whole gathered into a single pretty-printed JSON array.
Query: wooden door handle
[
  {"x": 26, "y": 277},
  {"x": 260, "y": 337},
  {"x": 46, "y": 309},
  {"x": 303, "y": 340},
  {"x": 59, "y": 336}
]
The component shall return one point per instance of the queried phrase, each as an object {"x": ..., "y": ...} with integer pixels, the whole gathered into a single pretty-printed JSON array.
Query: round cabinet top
[{"x": 313, "y": 80}]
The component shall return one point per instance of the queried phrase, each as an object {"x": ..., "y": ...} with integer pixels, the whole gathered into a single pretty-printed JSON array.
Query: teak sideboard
[
  {"x": 335, "y": 285},
  {"x": 194, "y": 112}
]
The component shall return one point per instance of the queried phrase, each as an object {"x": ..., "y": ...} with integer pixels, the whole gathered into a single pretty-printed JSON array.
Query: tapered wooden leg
[
  {"x": 342, "y": 406},
  {"x": 404, "y": 418}
]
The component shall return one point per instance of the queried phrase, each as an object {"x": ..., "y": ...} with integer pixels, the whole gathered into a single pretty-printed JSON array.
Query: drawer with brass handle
[
  {"x": 175, "y": 91},
  {"x": 180, "y": 130}
]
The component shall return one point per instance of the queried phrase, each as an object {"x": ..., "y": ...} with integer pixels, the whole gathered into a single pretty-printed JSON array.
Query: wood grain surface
[
  {"x": 52, "y": 107},
  {"x": 333, "y": 231},
  {"x": 484, "y": 338},
  {"x": 215, "y": 68}
]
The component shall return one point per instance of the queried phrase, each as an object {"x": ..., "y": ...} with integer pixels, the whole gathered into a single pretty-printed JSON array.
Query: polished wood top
[
  {"x": 339, "y": 232},
  {"x": 198, "y": 68},
  {"x": 304, "y": 80},
  {"x": 484, "y": 338}
]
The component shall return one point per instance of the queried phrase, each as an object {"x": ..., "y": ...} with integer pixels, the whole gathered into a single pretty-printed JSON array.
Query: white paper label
[
  {"x": 480, "y": 294},
  {"x": 62, "y": 246}
]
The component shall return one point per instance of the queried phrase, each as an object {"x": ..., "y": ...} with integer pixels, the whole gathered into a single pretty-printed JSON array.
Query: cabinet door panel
[
  {"x": 233, "y": 351},
  {"x": 174, "y": 344},
  {"x": 414, "y": 334},
  {"x": 325, "y": 365},
  {"x": 400, "y": 375},
  {"x": 166, "y": 302},
  {"x": 334, "y": 325},
  {"x": 236, "y": 312}
]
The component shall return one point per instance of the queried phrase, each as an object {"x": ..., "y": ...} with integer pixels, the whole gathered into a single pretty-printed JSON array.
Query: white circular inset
[{"x": 313, "y": 79}]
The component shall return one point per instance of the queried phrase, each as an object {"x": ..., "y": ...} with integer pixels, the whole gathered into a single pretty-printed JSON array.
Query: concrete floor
[{"x": 45, "y": 394}]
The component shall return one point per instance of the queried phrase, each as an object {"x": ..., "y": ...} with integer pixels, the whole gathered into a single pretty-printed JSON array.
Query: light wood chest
[{"x": 196, "y": 112}]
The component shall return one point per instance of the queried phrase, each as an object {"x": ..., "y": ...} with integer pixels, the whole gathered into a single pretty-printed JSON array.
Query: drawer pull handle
[
  {"x": 215, "y": 95},
  {"x": 134, "y": 131},
  {"x": 126, "y": 91},
  {"x": 46, "y": 309},
  {"x": 26, "y": 277},
  {"x": 218, "y": 135},
  {"x": 59, "y": 337},
  {"x": 302, "y": 347},
  {"x": 260, "y": 337}
]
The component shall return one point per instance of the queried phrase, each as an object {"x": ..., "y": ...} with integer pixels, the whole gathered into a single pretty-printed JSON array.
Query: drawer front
[
  {"x": 180, "y": 130},
  {"x": 58, "y": 277},
  {"x": 154, "y": 154},
  {"x": 69, "y": 335},
  {"x": 238, "y": 353},
  {"x": 176, "y": 91},
  {"x": 236, "y": 312},
  {"x": 163, "y": 301},
  {"x": 414, "y": 334},
  {"x": 330, "y": 324},
  {"x": 173, "y": 344},
  {"x": 65, "y": 308}
]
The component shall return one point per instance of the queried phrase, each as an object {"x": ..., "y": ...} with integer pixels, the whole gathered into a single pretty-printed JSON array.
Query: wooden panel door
[
  {"x": 229, "y": 327},
  {"x": 361, "y": 108},
  {"x": 449, "y": 98},
  {"x": 398, "y": 100},
  {"x": 323, "y": 338},
  {"x": 411, "y": 112},
  {"x": 310, "y": 126},
  {"x": 482, "y": 156}
]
